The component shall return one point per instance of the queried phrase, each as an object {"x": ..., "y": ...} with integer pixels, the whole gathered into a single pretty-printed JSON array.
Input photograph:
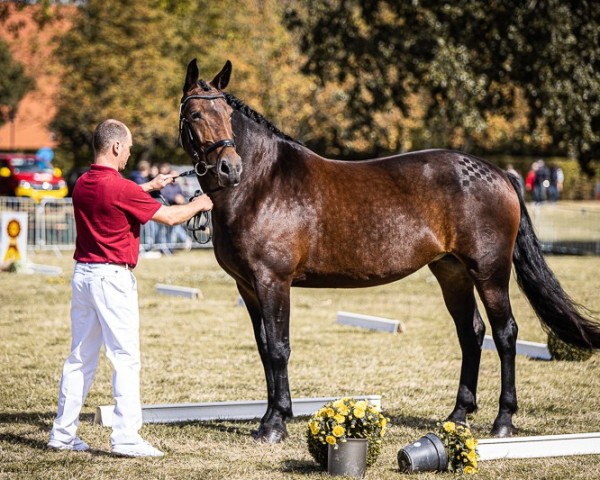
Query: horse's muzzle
[{"x": 229, "y": 170}]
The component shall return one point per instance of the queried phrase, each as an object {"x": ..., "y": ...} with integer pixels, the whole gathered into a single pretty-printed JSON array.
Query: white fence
[
  {"x": 562, "y": 228},
  {"x": 51, "y": 226},
  {"x": 567, "y": 228}
]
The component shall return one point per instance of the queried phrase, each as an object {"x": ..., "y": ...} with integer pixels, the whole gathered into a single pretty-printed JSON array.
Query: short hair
[
  {"x": 108, "y": 132},
  {"x": 143, "y": 165}
]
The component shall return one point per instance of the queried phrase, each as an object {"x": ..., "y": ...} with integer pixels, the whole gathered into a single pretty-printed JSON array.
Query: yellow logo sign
[
  {"x": 13, "y": 237},
  {"x": 12, "y": 252}
]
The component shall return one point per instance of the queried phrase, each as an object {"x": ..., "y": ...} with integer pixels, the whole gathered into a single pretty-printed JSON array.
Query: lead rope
[{"x": 200, "y": 224}]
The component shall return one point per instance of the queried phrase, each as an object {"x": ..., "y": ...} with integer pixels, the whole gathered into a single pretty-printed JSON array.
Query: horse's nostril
[{"x": 225, "y": 168}]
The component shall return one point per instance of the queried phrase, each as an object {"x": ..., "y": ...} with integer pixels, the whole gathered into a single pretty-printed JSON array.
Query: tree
[
  {"x": 14, "y": 84},
  {"x": 467, "y": 61},
  {"x": 118, "y": 63}
]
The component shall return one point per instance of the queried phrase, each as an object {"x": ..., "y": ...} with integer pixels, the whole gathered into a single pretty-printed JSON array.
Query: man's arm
[{"x": 176, "y": 214}]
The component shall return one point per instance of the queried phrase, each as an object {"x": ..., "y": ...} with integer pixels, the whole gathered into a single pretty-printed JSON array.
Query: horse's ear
[
  {"x": 221, "y": 79},
  {"x": 191, "y": 77}
]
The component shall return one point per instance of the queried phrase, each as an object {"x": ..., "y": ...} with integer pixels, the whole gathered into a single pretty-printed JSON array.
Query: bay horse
[{"x": 284, "y": 216}]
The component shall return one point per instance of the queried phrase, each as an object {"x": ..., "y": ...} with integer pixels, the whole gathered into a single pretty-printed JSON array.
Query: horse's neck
[{"x": 259, "y": 148}]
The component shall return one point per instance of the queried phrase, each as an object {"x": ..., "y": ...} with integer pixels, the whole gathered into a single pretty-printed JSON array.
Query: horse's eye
[{"x": 196, "y": 116}]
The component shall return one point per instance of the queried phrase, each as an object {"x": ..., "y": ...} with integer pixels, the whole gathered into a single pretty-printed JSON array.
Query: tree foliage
[
  {"x": 128, "y": 61},
  {"x": 14, "y": 83},
  {"x": 468, "y": 61},
  {"x": 118, "y": 63}
]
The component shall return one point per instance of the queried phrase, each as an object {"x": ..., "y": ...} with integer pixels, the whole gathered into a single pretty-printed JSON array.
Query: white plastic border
[
  {"x": 370, "y": 322},
  {"x": 538, "y": 447},
  {"x": 238, "y": 410},
  {"x": 530, "y": 349},
  {"x": 178, "y": 291}
]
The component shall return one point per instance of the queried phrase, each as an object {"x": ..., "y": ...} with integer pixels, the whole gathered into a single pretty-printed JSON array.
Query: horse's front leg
[
  {"x": 274, "y": 300},
  {"x": 254, "y": 309}
]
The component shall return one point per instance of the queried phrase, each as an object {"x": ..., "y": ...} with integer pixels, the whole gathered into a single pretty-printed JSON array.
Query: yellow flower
[
  {"x": 449, "y": 427},
  {"x": 338, "y": 403},
  {"x": 314, "y": 427},
  {"x": 362, "y": 404},
  {"x": 470, "y": 443},
  {"x": 343, "y": 409},
  {"x": 359, "y": 412},
  {"x": 330, "y": 412},
  {"x": 470, "y": 471},
  {"x": 383, "y": 422},
  {"x": 338, "y": 431},
  {"x": 339, "y": 418},
  {"x": 331, "y": 440}
]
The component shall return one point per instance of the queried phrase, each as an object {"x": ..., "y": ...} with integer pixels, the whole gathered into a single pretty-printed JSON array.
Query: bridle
[
  {"x": 200, "y": 224},
  {"x": 219, "y": 145}
]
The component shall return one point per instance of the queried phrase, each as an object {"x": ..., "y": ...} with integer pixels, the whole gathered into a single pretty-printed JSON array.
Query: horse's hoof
[
  {"x": 502, "y": 431},
  {"x": 269, "y": 435}
]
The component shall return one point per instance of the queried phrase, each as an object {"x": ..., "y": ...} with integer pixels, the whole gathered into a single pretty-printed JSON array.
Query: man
[{"x": 104, "y": 307}]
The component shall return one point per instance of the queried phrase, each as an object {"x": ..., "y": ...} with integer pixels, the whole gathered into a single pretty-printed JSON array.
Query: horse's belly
[{"x": 310, "y": 280}]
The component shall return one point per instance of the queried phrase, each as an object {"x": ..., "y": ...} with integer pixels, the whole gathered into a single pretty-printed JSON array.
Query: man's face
[{"x": 125, "y": 152}]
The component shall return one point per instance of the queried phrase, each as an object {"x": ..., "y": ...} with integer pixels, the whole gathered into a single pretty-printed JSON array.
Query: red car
[{"x": 23, "y": 175}]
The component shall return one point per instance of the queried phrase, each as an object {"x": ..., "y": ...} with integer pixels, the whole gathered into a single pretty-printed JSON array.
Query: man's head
[
  {"x": 164, "y": 168},
  {"x": 112, "y": 144}
]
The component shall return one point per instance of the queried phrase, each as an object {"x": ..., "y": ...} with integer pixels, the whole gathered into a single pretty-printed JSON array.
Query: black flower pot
[{"x": 426, "y": 454}]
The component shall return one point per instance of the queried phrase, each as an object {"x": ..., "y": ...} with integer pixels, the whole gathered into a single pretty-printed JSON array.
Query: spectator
[
  {"x": 510, "y": 169},
  {"x": 557, "y": 178},
  {"x": 173, "y": 194},
  {"x": 142, "y": 174},
  {"x": 149, "y": 230},
  {"x": 530, "y": 179},
  {"x": 541, "y": 184}
]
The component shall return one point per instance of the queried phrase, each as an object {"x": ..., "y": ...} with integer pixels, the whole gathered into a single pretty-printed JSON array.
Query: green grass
[{"x": 203, "y": 350}]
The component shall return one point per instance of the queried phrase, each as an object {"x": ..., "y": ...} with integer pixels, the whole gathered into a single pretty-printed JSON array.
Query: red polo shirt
[{"x": 108, "y": 213}]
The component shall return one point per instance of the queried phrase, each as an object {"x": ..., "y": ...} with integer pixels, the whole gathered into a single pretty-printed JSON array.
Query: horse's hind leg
[{"x": 458, "y": 292}]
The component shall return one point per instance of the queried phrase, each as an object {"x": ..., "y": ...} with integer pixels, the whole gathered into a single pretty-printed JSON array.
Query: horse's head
[{"x": 205, "y": 126}]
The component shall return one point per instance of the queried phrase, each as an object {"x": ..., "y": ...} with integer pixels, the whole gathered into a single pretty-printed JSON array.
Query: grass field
[{"x": 203, "y": 350}]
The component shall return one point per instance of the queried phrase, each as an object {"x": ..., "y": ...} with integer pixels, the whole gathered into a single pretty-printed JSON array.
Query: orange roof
[{"x": 33, "y": 48}]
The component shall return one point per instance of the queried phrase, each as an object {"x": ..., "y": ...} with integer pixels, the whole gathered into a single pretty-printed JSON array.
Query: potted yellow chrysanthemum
[{"x": 341, "y": 425}]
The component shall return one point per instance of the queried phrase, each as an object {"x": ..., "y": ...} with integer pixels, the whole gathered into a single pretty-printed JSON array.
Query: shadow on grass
[
  {"x": 300, "y": 466},
  {"x": 240, "y": 428},
  {"x": 22, "y": 440},
  {"x": 39, "y": 419}
]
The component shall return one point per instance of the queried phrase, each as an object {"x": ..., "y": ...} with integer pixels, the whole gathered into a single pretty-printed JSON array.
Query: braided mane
[{"x": 240, "y": 106}]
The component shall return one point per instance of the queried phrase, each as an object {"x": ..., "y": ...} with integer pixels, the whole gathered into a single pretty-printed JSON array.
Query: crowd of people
[
  {"x": 157, "y": 236},
  {"x": 545, "y": 183}
]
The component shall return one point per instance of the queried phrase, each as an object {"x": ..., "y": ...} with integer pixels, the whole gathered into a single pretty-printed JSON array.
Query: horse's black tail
[{"x": 553, "y": 306}]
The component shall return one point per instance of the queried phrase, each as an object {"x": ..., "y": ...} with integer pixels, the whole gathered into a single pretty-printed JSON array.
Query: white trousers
[{"x": 104, "y": 311}]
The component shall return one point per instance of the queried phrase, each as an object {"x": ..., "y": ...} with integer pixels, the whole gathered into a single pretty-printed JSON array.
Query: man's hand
[
  {"x": 158, "y": 182},
  {"x": 205, "y": 204}
]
